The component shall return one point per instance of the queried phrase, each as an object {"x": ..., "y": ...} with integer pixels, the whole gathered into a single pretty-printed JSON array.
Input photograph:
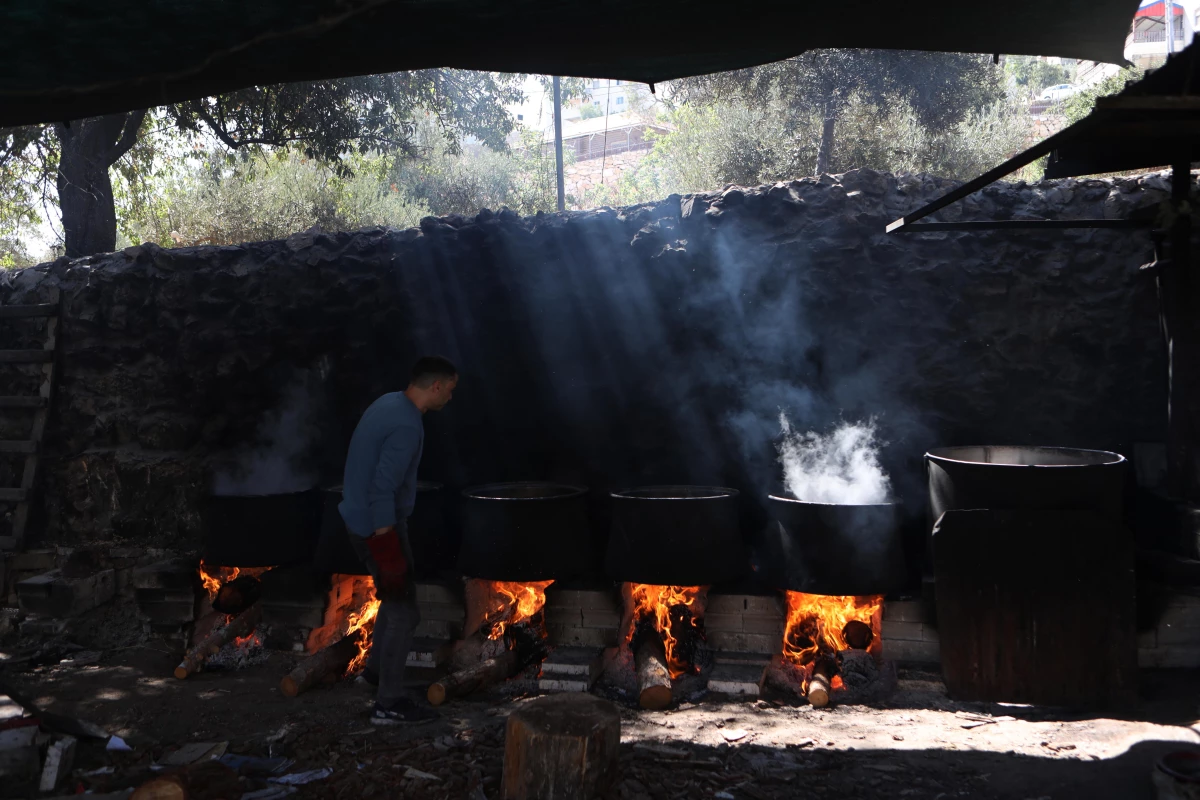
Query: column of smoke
[
  {"x": 279, "y": 462},
  {"x": 840, "y": 467}
]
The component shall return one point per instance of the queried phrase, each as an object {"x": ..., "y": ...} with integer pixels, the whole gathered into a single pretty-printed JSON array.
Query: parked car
[{"x": 1058, "y": 93}]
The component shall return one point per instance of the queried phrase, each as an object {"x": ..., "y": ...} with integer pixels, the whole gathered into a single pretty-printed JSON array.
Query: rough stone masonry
[{"x": 650, "y": 344}]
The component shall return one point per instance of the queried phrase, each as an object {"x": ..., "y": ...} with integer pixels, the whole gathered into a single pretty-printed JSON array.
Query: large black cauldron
[
  {"x": 676, "y": 536},
  {"x": 261, "y": 530},
  {"x": 524, "y": 531},
  {"x": 434, "y": 549},
  {"x": 1025, "y": 477},
  {"x": 824, "y": 548}
]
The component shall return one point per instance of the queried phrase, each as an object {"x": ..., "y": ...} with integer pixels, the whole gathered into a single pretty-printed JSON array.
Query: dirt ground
[{"x": 917, "y": 744}]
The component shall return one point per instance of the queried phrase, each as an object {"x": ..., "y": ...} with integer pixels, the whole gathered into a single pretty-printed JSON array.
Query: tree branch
[{"x": 129, "y": 134}]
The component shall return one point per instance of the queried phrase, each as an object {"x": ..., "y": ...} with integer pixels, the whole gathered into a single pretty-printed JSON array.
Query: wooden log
[
  {"x": 820, "y": 686},
  {"x": 237, "y": 595},
  {"x": 207, "y": 780},
  {"x": 465, "y": 681},
  {"x": 328, "y": 663},
  {"x": 562, "y": 746},
  {"x": 857, "y": 634},
  {"x": 241, "y": 625},
  {"x": 653, "y": 677}
]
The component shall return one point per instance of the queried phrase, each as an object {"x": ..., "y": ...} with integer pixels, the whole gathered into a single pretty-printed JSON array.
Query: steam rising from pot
[{"x": 840, "y": 467}]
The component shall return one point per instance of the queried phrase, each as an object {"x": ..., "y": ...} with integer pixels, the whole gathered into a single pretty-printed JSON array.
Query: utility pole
[
  {"x": 1169, "y": 16},
  {"x": 558, "y": 157}
]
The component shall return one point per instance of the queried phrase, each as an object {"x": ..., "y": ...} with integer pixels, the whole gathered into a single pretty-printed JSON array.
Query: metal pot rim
[
  {"x": 568, "y": 491},
  {"x": 939, "y": 454},
  {"x": 782, "y": 499},
  {"x": 213, "y": 494},
  {"x": 422, "y": 486},
  {"x": 713, "y": 492}
]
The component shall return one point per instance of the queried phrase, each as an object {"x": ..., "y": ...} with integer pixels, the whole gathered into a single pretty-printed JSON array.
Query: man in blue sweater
[{"x": 378, "y": 493}]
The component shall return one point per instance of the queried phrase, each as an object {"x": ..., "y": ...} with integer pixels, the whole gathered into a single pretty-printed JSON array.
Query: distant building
[
  {"x": 596, "y": 137},
  {"x": 1147, "y": 43}
]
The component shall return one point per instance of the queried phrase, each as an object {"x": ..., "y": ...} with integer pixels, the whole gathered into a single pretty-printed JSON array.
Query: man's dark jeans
[{"x": 392, "y": 637}]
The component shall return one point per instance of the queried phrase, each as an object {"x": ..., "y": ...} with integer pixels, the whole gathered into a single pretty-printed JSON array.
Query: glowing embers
[{"x": 831, "y": 644}]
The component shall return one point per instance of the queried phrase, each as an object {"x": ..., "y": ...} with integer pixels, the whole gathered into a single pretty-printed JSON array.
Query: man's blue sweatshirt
[{"x": 381, "y": 466}]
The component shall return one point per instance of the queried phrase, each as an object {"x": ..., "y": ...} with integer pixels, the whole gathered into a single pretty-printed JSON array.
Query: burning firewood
[
  {"x": 857, "y": 634},
  {"x": 329, "y": 662},
  {"x": 820, "y": 685},
  {"x": 653, "y": 676},
  {"x": 237, "y": 595},
  {"x": 484, "y": 674},
  {"x": 241, "y": 625}
]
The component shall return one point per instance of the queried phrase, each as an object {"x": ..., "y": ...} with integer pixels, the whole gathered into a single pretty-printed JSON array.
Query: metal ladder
[{"x": 40, "y": 403}]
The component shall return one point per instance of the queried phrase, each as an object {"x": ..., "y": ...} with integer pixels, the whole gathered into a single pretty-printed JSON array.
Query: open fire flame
[
  {"x": 352, "y": 606},
  {"x": 655, "y": 603},
  {"x": 212, "y": 577},
  {"x": 817, "y": 625},
  {"x": 505, "y": 603}
]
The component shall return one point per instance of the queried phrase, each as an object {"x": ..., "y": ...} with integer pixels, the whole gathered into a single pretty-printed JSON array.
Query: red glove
[{"x": 389, "y": 557}]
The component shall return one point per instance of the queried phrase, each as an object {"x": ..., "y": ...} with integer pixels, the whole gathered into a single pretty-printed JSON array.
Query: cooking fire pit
[{"x": 667, "y": 545}]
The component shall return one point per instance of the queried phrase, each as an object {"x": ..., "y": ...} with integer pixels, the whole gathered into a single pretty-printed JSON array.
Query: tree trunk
[
  {"x": 87, "y": 148},
  {"x": 825, "y": 151}
]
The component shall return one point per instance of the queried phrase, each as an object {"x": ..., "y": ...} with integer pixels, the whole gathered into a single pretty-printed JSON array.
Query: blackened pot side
[
  {"x": 676, "y": 536},
  {"x": 262, "y": 530},
  {"x": 433, "y": 549},
  {"x": 826, "y": 548},
  {"x": 524, "y": 531}
]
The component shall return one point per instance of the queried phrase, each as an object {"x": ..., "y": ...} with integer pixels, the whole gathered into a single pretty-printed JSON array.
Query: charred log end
[{"x": 858, "y": 634}]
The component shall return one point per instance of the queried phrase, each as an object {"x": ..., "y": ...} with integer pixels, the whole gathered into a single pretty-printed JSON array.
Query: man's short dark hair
[{"x": 432, "y": 368}]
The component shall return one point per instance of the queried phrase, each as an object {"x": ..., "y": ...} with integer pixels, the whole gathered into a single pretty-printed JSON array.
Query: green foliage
[
  {"x": 268, "y": 196},
  {"x": 1030, "y": 75},
  {"x": 1080, "y": 104},
  {"x": 463, "y": 182},
  {"x": 589, "y": 111},
  {"x": 373, "y": 113},
  {"x": 210, "y": 198},
  {"x": 27, "y": 160},
  {"x": 710, "y": 146}
]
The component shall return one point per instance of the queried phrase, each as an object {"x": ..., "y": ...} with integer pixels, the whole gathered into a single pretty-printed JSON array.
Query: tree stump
[{"x": 562, "y": 747}]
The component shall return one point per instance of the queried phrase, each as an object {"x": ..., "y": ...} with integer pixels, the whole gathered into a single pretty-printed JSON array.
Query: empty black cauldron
[
  {"x": 526, "y": 531},
  {"x": 676, "y": 536},
  {"x": 1025, "y": 477},
  {"x": 824, "y": 548},
  {"x": 261, "y": 530},
  {"x": 433, "y": 549}
]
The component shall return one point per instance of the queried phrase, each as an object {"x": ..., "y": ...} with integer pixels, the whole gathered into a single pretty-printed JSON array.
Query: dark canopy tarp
[{"x": 64, "y": 59}]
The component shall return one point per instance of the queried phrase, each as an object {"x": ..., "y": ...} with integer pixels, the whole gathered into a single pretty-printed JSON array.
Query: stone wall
[{"x": 651, "y": 344}]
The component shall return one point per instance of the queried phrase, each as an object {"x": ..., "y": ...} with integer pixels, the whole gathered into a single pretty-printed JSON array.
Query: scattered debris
[
  {"x": 734, "y": 735},
  {"x": 301, "y": 778}
]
